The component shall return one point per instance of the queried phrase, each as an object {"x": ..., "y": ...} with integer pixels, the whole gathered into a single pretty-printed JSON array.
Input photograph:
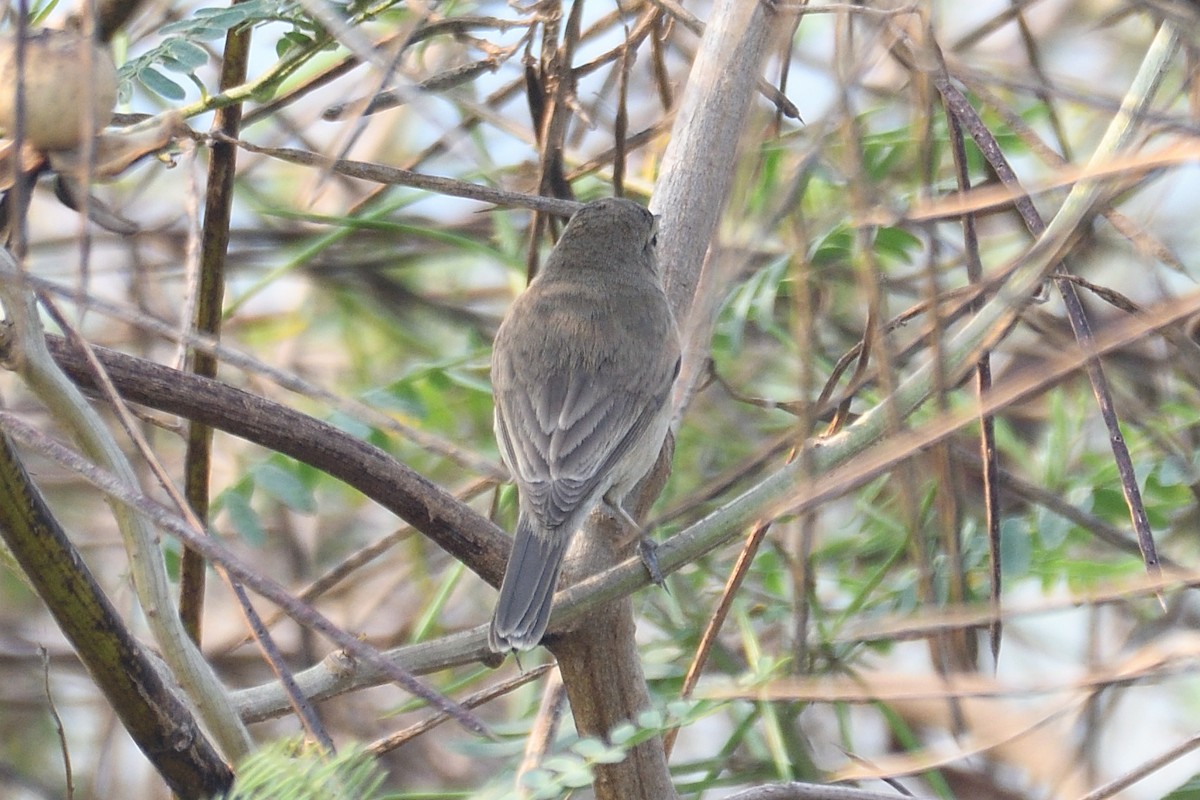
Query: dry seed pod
[{"x": 57, "y": 85}]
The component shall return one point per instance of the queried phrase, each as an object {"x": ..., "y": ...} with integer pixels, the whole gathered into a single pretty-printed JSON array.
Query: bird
[{"x": 582, "y": 371}]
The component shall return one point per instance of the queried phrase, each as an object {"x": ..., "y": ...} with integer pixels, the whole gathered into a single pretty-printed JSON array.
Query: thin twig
[
  {"x": 708, "y": 639},
  {"x": 399, "y": 738},
  {"x": 1118, "y": 785},
  {"x": 210, "y": 295},
  {"x": 1139, "y": 96},
  {"x": 33, "y": 361},
  {"x": 983, "y": 381},
  {"x": 378, "y": 173},
  {"x": 58, "y": 724},
  {"x": 126, "y": 494}
]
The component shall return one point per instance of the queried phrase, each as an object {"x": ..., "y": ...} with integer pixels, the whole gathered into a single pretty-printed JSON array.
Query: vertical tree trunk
[{"x": 600, "y": 664}]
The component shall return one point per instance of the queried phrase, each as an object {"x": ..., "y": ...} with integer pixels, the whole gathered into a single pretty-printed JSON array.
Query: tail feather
[{"x": 523, "y": 610}]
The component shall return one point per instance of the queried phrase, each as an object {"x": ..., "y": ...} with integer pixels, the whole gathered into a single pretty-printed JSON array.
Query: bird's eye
[{"x": 654, "y": 240}]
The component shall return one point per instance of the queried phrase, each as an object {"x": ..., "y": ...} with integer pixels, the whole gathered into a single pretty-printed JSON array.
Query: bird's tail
[{"x": 528, "y": 588}]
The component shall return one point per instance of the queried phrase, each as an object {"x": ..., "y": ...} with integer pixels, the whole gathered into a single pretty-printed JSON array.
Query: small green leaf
[
  {"x": 577, "y": 778},
  {"x": 537, "y": 779},
  {"x": 40, "y": 11},
  {"x": 622, "y": 733},
  {"x": 651, "y": 718},
  {"x": 225, "y": 18},
  {"x": 192, "y": 55},
  {"x": 351, "y": 425},
  {"x": 286, "y": 487},
  {"x": 589, "y": 748},
  {"x": 610, "y": 755},
  {"x": 242, "y": 517},
  {"x": 896, "y": 243},
  {"x": 172, "y": 558},
  {"x": 193, "y": 29},
  {"x": 1051, "y": 528},
  {"x": 835, "y": 246},
  {"x": 1016, "y": 549},
  {"x": 175, "y": 65},
  {"x": 681, "y": 709},
  {"x": 1108, "y": 503},
  {"x": 290, "y": 40},
  {"x": 160, "y": 84},
  {"x": 1188, "y": 791}
]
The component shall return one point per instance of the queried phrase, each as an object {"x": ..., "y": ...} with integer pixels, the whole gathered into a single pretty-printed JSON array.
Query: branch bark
[
  {"x": 697, "y": 170},
  {"x": 210, "y": 295},
  {"x": 464, "y": 534},
  {"x": 28, "y": 356},
  {"x": 161, "y": 725}
]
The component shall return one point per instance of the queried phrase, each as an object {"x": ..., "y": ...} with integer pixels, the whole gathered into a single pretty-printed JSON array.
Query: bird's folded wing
[{"x": 564, "y": 437}]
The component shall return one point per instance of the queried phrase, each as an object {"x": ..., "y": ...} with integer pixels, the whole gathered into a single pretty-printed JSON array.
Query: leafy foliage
[
  {"x": 390, "y": 294},
  {"x": 180, "y": 50},
  {"x": 288, "y": 768}
]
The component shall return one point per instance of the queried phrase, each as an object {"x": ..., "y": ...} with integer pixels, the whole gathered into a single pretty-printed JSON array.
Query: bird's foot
[{"x": 648, "y": 550}]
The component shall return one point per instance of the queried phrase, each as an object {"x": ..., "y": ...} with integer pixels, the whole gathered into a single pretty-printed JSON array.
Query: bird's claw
[{"x": 648, "y": 551}]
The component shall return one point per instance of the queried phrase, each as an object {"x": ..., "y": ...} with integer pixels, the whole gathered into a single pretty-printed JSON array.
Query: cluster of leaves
[
  {"x": 289, "y": 768},
  {"x": 572, "y": 766},
  {"x": 866, "y": 562},
  {"x": 180, "y": 51}
]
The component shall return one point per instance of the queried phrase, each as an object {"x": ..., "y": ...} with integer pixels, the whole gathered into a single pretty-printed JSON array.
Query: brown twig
[
  {"x": 400, "y": 738},
  {"x": 969, "y": 118},
  {"x": 983, "y": 382},
  {"x": 224, "y": 559},
  {"x": 736, "y": 575},
  {"x": 161, "y": 725},
  {"x": 456, "y": 528},
  {"x": 210, "y": 294}
]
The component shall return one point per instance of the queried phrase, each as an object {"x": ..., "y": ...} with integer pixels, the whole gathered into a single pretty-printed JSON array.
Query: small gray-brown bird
[{"x": 582, "y": 371}]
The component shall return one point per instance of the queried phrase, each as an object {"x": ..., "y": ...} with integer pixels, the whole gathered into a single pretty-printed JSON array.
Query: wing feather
[{"x": 565, "y": 421}]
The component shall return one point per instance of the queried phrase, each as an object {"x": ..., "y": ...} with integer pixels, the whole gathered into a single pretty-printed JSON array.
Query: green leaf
[
  {"x": 538, "y": 781},
  {"x": 622, "y": 733},
  {"x": 194, "y": 30},
  {"x": 1016, "y": 549},
  {"x": 292, "y": 40},
  {"x": 286, "y": 487},
  {"x": 351, "y": 425},
  {"x": 1109, "y": 503},
  {"x": 896, "y": 243},
  {"x": 651, "y": 718},
  {"x": 1188, "y": 791},
  {"x": 1051, "y": 528},
  {"x": 577, "y": 778},
  {"x": 191, "y": 55},
  {"x": 610, "y": 755},
  {"x": 590, "y": 748},
  {"x": 242, "y": 517},
  {"x": 160, "y": 84},
  {"x": 40, "y": 11},
  {"x": 835, "y": 246},
  {"x": 175, "y": 65},
  {"x": 172, "y": 559},
  {"x": 229, "y": 17}
]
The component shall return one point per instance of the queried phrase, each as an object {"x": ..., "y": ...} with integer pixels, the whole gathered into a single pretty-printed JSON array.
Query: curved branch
[
  {"x": 457, "y": 528},
  {"x": 33, "y": 362},
  {"x": 161, "y": 724}
]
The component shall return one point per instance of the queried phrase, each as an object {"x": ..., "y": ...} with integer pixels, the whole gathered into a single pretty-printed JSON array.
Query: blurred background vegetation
[{"x": 832, "y": 658}]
